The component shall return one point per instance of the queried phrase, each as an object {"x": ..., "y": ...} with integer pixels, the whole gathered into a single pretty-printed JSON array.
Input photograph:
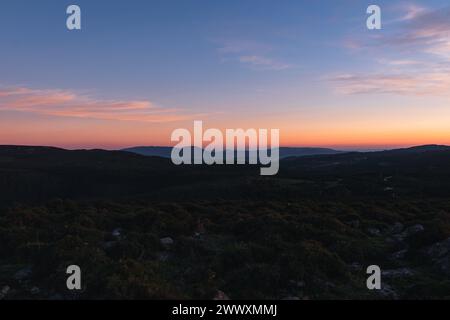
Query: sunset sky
[{"x": 140, "y": 69}]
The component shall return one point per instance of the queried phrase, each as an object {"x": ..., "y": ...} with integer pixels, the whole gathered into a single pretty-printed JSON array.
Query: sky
[{"x": 140, "y": 69}]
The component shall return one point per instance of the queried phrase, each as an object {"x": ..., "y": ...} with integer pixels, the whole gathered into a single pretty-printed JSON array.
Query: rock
[
  {"x": 220, "y": 295},
  {"x": 388, "y": 292},
  {"x": 398, "y": 242},
  {"x": 397, "y": 228},
  {"x": 108, "y": 245},
  {"x": 398, "y": 273},
  {"x": 163, "y": 256},
  {"x": 411, "y": 231},
  {"x": 353, "y": 223},
  {"x": 374, "y": 232},
  {"x": 23, "y": 274},
  {"x": 35, "y": 290},
  {"x": 439, "y": 250},
  {"x": 291, "y": 298},
  {"x": 297, "y": 284},
  {"x": 117, "y": 233},
  {"x": 4, "y": 292},
  {"x": 166, "y": 242},
  {"x": 443, "y": 265},
  {"x": 323, "y": 284},
  {"x": 355, "y": 267},
  {"x": 399, "y": 255},
  {"x": 415, "y": 229},
  {"x": 440, "y": 256}
]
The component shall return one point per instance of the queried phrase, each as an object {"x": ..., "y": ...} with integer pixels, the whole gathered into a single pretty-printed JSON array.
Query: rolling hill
[{"x": 284, "y": 151}]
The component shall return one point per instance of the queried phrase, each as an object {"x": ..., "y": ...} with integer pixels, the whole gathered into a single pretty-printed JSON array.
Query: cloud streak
[
  {"x": 401, "y": 84},
  {"x": 64, "y": 103},
  {"x": 422, "y": 30},
  {"x": 412, "y": 11},
  {"x": 252, "y": 54},
  {"x": 422, "y": 37},
  {"x": 263, "y": 62}
]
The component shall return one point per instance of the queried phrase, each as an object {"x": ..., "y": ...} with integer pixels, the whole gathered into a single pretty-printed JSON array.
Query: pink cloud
[
  {"x": 402, "y": 84},
  {"x": 69, "y": 104},
  {"x": 422, "y": 29},
  {"x": 412, "y": 11},
  {"x": 418, "y": 62}
]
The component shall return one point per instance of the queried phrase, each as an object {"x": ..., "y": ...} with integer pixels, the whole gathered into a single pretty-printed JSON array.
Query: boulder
[
  {"x": 439, "y": 253},
  {"x": 355, "y": 267},
  {"x": 4, "y": 292},
  {"x": 409, "y": 232},
  {"x": 399, "y": 255},
  {"x": 398, "y": 242},
  {"x": 398, "y": 273},
  {"x": 220, "y": 295},
  {"x": 117, "y": 233},
  {"x": 23, "y": 274},
  {"x": 387, "y": 292},
  {"x": 296, "y": 284},
  {"x": 166, "y": 242},
  {"x": 397, "y": 228},
  {"x": 35, "y": 290},
  {"x": 413, "y": 230},
  {"x": 164, "y": 256},
  {"x": 439, "y": 250},
  {"x": 374, "y": 232}
]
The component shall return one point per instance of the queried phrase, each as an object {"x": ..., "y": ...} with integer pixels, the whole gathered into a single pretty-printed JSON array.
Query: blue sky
[{"x": 289, "y": 64}]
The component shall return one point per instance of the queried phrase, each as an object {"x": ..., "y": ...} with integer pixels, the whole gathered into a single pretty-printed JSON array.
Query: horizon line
[{"x": 335, "y": 148}]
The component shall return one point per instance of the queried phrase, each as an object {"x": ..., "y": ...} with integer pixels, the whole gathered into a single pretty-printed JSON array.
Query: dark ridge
[{"x": 285, "y": 152}]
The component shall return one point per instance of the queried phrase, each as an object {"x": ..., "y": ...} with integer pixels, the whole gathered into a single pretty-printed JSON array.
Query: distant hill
[
  {"x": 302, "y": 152},
  {"x": 420, "y": 149},
  {"x": 41, "y": 173},
  {"x": 285, "y": 152},
  {"x": 151, "y": 151}
]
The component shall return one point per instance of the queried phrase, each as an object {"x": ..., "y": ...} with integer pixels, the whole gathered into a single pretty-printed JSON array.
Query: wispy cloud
[
  {"x": 65, "y": 103},
  {"x": 399, "y": 62},
  {"x": 412, "y": 11},
  {"x": 240, "y": 46},
  {"x": 417, "y": 28},
  {"x": 402, "y": 84},
  {"x": 264, "y": 63},
  {"x": 420, "y": 29},
  {"x": 253, "y": 54},
  {"x": 422, "y": 38}
]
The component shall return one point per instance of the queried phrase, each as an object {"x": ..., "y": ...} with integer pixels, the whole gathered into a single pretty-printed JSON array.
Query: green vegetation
[{"x": 246, "y": 249}]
